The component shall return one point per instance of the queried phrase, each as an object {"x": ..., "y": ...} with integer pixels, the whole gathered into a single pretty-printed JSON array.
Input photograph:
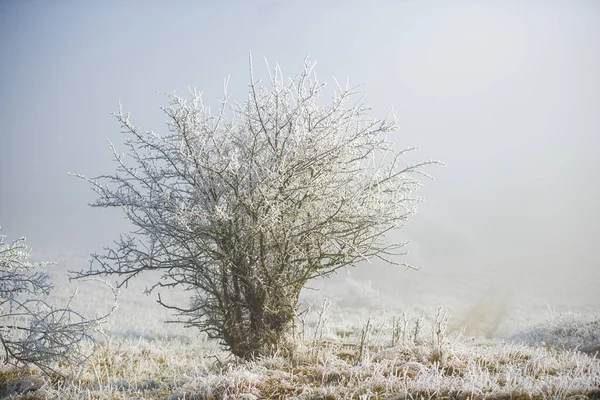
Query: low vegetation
[
  {"x": 32, "y": 330},
  {"x": 402, "y": 357}
]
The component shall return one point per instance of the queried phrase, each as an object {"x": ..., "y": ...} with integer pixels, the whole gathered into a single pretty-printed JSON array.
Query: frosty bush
[
  {"x": 245, "y": 206},
  {"x": 31, "y": 330}
]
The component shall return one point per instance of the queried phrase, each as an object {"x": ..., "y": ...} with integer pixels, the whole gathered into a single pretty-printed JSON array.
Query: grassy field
[{"x": 342, "y": 349}]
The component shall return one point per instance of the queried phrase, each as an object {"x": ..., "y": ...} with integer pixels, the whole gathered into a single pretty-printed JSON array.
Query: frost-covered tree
[
  {"x": 32, "y": 331},
  {"x": 244, "y": 206}
]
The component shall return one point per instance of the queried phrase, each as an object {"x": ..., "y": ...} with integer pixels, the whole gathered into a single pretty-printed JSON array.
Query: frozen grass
[
  {"x": 344, "y": 349},
  {"x": 405, "y": 357}
]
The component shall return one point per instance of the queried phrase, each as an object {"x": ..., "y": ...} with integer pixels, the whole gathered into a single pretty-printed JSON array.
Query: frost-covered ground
[{"x": 351, "y": 341}]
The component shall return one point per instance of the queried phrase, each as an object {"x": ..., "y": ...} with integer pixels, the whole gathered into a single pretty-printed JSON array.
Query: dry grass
[{"x": 425, "y": 363}]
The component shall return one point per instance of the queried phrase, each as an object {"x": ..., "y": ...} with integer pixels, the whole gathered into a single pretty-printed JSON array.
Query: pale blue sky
[{"x": 507, "y": 93}]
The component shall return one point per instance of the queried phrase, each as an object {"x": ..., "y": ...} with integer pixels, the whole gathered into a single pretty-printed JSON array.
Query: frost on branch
[
  {"x": 31, "y": 330},
  {"x": 244, "y": 206}
]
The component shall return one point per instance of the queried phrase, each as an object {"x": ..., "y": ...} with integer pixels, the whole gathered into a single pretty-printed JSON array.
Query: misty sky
[{"x": 506, "y": 93}]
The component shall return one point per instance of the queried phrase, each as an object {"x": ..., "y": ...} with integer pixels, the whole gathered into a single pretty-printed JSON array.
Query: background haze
[{"x": 506, "y": 93}]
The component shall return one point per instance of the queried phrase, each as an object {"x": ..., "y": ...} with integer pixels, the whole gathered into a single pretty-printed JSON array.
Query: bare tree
[
  {"x": 31, "y": 330},
  {"x": 245, "y": 206}
]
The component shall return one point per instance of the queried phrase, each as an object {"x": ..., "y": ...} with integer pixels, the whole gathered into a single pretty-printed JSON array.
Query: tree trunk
[{"x": 261, "y": 328}]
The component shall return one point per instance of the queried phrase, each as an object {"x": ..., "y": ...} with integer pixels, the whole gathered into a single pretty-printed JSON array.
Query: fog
[{"x": 506, "y": 94}]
